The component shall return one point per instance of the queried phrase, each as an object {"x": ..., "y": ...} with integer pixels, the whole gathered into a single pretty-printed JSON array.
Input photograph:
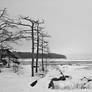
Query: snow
[
  {"x": 12, "y": 82},
  {"x": 20, "y": 82}
]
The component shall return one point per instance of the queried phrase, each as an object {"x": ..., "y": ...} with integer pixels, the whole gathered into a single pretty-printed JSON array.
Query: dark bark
[
  {"x": 42, "y": 55},
  {"x": 32, "y": 65},
  {"x": 37, "y": 50}
]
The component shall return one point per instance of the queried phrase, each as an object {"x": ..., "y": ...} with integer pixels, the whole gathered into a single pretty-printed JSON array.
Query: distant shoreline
[{"x": 58, "y": 62}]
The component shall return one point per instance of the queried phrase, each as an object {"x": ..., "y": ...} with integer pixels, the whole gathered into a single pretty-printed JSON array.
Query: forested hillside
[{"x": 29, "y": 55}]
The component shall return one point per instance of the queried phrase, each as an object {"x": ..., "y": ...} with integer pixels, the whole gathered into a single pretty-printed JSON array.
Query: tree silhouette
[{"x": 23, "y": 27}]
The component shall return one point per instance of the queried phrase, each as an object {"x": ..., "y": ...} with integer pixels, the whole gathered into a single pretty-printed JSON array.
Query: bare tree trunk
[
  {"x": 42, "y": 55},
  {"x": 1, "y": 52},
  {"x": 9, "y": 63},
  {"x": 32, "y": 65},
  {"x": 37, "y": 50}
]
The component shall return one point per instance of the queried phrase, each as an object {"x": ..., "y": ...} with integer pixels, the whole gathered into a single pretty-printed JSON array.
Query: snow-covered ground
[{"x": 20, "y": 82}]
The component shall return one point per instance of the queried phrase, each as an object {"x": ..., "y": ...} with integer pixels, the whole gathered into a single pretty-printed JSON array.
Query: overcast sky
[{"x": 69, "y": 22}]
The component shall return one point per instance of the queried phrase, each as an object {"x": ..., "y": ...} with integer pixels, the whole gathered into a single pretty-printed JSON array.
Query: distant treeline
[{"x": 24, "y": 55}]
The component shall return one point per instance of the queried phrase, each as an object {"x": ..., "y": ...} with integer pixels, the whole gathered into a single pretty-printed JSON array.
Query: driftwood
[
  {"x": 33, "y": 83},
  {"x": 88, "y": 79},
  {"x": 51, "y": 84},
  {"x": 61, "y": 78}
]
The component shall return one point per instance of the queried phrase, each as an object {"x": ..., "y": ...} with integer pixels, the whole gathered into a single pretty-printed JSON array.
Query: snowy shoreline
[{"x": 12, "y": 82}]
